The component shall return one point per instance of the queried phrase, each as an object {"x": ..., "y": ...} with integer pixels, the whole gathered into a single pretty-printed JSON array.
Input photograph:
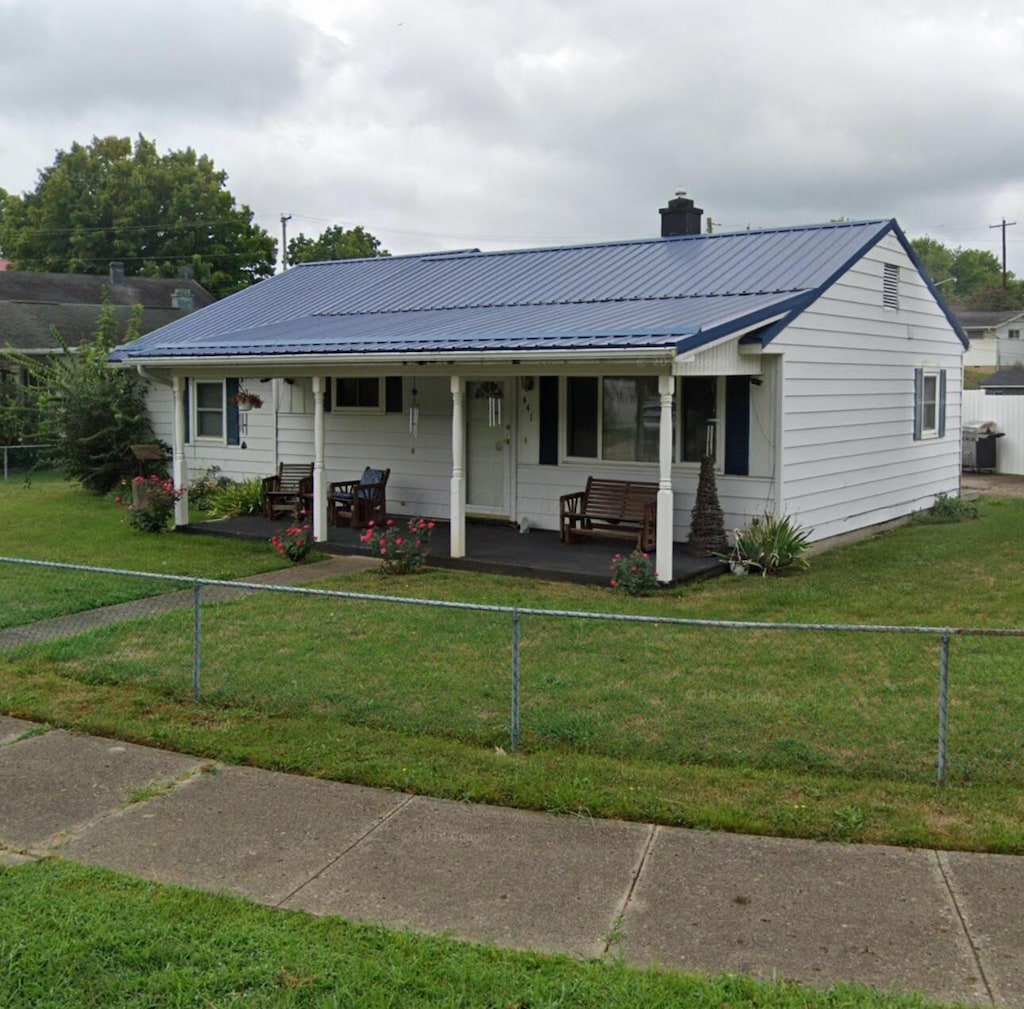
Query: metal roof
[{"x": 663, "y": 293}]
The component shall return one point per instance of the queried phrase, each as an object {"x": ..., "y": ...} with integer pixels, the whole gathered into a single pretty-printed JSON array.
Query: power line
[{"x": 178, "y": 226}]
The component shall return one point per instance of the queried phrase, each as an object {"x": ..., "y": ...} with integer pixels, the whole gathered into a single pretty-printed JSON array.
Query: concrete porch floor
[{"x": 492, "y": 547}]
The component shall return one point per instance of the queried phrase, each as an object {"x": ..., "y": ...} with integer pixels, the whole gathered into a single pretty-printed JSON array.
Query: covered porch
[{"x": 491, "y": 547}]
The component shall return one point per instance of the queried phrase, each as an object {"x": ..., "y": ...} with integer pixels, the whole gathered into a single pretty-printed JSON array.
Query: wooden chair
[
  {"x": 357, "y": 503},
  {"x": 289, "y": 490}
]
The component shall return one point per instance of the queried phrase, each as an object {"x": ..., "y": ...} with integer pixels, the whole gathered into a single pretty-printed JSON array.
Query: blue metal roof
[{"x": 664, "y": 293}]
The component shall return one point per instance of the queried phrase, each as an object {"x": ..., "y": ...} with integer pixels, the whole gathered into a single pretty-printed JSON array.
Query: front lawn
[
  {"x": 80, "y": 938},
  {"x": 47, "y": 518},
  {"x": 793, "y": 733}
]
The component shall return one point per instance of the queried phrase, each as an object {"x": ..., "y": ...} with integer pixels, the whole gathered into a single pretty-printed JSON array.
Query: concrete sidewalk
[{"x": 947, "y": 925}]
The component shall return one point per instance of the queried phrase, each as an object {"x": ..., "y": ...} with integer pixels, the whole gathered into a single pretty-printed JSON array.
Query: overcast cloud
[{"x": 455, "y": 123}]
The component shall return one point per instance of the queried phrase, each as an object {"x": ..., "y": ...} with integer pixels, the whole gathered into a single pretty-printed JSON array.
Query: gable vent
[{"x": 891, "y": 286}]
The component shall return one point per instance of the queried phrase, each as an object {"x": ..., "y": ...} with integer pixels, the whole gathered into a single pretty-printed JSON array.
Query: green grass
[
  {"x": 788, "y": 733},
  {"x": 75, "y": 938},
  {"x": 47, "y": 518}
]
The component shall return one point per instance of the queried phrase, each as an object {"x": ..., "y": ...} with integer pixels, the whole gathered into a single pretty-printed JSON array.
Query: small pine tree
[{"x": 707, "y": 526}]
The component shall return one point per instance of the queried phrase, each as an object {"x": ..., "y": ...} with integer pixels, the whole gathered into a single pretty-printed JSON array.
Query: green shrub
[
  {"x": 237, "y": 498},
  {"x": 769, "y": 545},
  {"x": 203, "y": 492},
  {"x": 948, "y": 509},
  {"x": 401, "y": 550},
  {"x": 151, "y": 509}
]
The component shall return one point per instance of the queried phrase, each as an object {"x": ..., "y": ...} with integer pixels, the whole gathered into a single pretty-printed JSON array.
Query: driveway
[{"x": 974, "y": 485}]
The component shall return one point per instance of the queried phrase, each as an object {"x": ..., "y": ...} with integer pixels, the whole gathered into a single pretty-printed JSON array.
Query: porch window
[
  {"x": 209, "y": 408},
  {"x": 617, "y": 418},
  {"x": 358, "y": 393},
  {"x": 700, "y": 412}
]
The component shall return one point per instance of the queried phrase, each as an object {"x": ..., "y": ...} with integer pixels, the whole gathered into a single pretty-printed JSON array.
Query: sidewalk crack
[
  {"x": 945, "y": 872},
  {"x": 617, "y": 933},
  {"x": 341, "y": 854}
]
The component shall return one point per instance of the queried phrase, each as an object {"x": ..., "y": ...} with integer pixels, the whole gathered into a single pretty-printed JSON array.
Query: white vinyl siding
[{"x": 849, "y": 459}]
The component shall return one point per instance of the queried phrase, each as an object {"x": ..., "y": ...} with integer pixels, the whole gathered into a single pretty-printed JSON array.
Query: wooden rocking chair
[
  {"x": 357, "y": 503},
  {"x": 289, "y": 490}
]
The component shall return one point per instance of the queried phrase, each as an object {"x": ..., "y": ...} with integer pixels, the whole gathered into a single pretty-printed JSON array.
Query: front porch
[{"x": 491, "y": 547}]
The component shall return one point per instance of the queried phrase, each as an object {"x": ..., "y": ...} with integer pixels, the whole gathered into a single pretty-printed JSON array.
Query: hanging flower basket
[{"x": 245, "y": 400}]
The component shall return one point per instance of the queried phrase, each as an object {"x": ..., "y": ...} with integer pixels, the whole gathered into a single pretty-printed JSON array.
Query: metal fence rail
[{"x": 861, "y": 700}]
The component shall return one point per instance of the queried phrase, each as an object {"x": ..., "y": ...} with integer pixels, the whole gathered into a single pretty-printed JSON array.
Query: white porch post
[
  {"x": 663, "y": 552},
  {"x": 319, "y": 486},
  {"x": 178, "y": 451},
  {"x": 457, "y": 503}
]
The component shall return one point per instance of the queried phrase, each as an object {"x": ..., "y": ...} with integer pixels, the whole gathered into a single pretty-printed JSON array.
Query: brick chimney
[
  {"x": 117, "y": 272},
  {"x": 680, "y": 217}
]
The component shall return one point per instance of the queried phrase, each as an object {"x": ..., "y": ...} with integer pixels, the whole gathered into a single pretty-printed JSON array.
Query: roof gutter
[
  {"x": 662, "y": 355},
  {"x": 148, "y": 376}
]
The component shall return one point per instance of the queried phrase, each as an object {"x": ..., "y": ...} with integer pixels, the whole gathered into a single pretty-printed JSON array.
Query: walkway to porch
[{"x": 493, "y": 547}]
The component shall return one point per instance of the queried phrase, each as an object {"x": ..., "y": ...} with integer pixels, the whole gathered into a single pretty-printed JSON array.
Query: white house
[
  {"x": 818, "y": 365},
  {"x": 995, "y": 338}
]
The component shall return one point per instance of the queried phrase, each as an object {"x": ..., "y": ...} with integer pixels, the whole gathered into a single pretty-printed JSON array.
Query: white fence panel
[{"x": 1008, "y": 414}]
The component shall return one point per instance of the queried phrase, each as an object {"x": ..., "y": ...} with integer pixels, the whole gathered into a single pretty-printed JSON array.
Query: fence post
[
  {"x": 514, "y": 726},
  {"x": 197, "y": 638},
  {"x": 943, "y": 705}
]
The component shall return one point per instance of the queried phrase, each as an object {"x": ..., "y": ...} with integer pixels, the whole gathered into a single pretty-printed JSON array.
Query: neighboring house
[
  {"x": 995, "y": 338},
  {"x": 33, "y": 305},
  {"x": 818, "y": 364},
  {"x": 1005, "y": 382}
]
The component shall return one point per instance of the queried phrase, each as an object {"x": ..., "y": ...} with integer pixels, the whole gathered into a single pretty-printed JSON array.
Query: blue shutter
[
  {"x": 188, "y": 417},
  {"x": 328, "y": 385},
  {"x": 393, "y": 394},
  {"x": 918, "y": 397},
  {"x": 548, "y": 420},
  {"x": 737, "y": 425},
  {"x": 231, "y": 410},
  {"x": 941, "y": 405}
]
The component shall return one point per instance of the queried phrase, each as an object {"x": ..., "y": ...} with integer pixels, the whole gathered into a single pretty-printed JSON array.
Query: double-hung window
[
  {"x": 209, "y": 410},
  {"x": 359, "y": 394},
  {"x": 929, "y": 403}
]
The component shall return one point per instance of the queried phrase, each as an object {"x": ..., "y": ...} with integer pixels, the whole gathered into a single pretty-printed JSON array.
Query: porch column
[
  {"x": 319, "y": 485},
  {"x": 457, "y": 501},
  {"x": 178, "y": 451},
  {"x": 663, "y": 552}
]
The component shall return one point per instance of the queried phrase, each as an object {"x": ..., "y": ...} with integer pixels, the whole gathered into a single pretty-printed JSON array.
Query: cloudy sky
[{"x": 499, "y": 123}]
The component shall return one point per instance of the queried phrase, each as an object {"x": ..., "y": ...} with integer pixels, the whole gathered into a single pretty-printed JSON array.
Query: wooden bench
[
  {"x": 617, "y": 508},
  {"x": 289, "y": 491}
]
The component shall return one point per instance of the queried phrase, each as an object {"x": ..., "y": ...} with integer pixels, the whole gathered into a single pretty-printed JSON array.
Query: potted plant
[{"x": 246, "y": 400}]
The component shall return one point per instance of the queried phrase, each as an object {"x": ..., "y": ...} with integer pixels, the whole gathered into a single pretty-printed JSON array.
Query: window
[
  {"x": 357, "y": 393},
  {"x": 209, "y": 409},
  {"x": 891, "y": 285},
  {"x": 700, "y": 411},
  {"x": 618, "y": 418},
  {"x": 1013, "y": 334},
  {"x": 929, "y": 403}
]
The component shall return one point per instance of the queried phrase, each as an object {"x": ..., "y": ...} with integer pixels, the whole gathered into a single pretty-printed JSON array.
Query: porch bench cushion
[{"x": 623, "y": 509}]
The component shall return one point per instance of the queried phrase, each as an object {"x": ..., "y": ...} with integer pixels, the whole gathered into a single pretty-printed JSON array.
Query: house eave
[{"x": 261, "y": 364}]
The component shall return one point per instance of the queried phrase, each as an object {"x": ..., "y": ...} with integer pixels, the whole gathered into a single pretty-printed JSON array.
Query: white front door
[{"x": 488, "y": 448}]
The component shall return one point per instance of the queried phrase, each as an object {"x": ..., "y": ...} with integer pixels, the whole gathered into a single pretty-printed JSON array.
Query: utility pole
[
  {"x": 285, "y": 218},
  {"x": 1006, "y": 224}
]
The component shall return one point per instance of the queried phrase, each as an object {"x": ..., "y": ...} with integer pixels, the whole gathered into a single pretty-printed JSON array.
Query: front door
[{"x": 488, "y": 448}]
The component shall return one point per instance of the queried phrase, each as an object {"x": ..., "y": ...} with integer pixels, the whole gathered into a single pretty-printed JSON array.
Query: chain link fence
[
  {"x": 892, "y": 703},
  {"x": 20, "y": 459}
]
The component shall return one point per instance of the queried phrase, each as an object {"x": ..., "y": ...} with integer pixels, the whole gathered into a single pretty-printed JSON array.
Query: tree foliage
[
  {"x": 89, "y": 413},
  {"x": 115, "y": 200},
  {"x": 335, "y": 243},
  {"x": 973, "y": 278}
]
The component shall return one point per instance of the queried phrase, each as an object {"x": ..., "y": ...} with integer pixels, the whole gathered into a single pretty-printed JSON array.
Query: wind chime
[{"x": 414, "y": 414}]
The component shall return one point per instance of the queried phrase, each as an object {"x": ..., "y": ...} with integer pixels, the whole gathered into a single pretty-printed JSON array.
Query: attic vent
[{"x": 891, "y": 286}]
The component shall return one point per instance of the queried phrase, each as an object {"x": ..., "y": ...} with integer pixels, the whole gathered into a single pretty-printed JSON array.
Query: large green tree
[
  {"x": 118, "y": 200},
  {"x": 973, "y": 278},
  {"x": 335, "y": 243}
]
